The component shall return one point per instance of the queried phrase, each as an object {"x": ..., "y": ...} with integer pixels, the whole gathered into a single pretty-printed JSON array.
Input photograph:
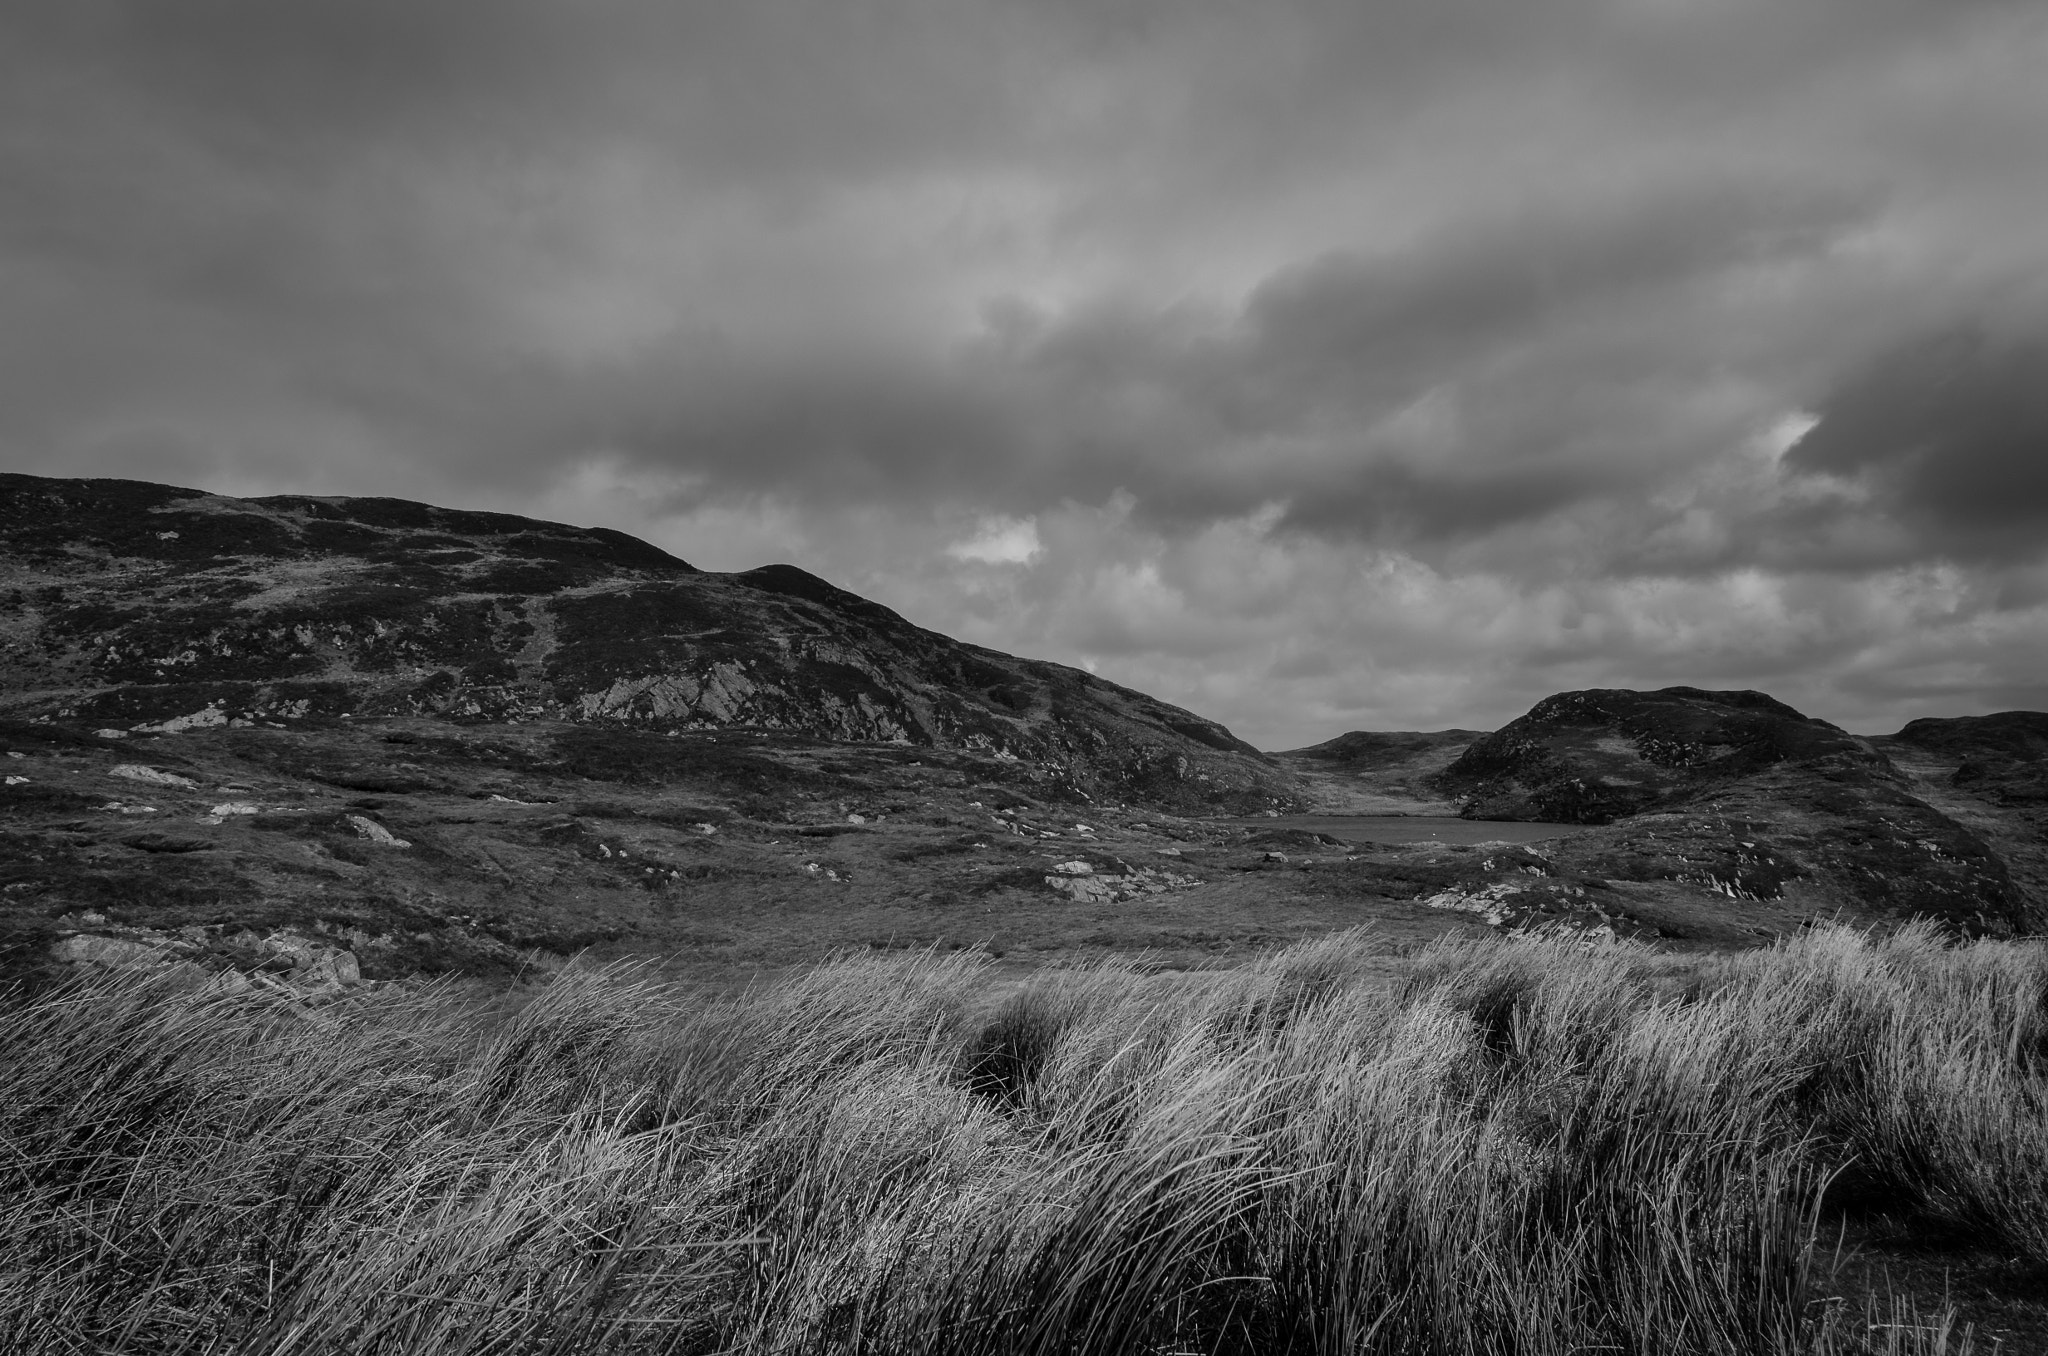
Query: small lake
[{"x": 1418, "y": 828}]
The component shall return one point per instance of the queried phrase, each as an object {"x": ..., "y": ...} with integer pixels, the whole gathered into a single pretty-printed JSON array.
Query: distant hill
[
  {"x": 1806, "y": 800},
  {"x": 133, "y": 604},
  {"x": 2003, "y": 756},
  {"x": 1990, "y": 774},
  {"x": 1379, "y": 771},
  {"x": 1380, "y": 747},
  {"x": 1591, "y": 757}
]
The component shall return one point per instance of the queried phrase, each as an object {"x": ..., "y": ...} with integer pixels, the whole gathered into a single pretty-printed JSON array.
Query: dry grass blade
[{"x": 1524, "y": 1147}]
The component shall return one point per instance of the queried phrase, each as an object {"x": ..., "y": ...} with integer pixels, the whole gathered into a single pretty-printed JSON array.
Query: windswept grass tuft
[{"x": 1523, "y": 1146}]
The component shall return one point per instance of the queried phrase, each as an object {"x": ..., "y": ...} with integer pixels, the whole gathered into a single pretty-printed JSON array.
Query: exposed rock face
[
  {"x": 145, "y": 608},
  {"x": 1796, "y": 800}
]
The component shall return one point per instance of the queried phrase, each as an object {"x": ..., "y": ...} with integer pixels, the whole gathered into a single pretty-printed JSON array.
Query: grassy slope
[
  {"x": 1503, "y": 1146},
  {"x": 560, "y": 837}
]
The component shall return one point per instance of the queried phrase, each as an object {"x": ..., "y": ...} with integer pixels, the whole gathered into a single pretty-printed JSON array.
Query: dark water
[{"x": 1417, "y": 828}]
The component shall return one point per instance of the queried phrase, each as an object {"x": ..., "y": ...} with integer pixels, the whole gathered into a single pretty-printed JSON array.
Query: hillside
[
  {"x": 1742, "y": 793},
  {"x": 2001, "y": 757},
  {"x": 290, "y": 734},
  {"x": 1990, "y": 774},
  {"x": 135, "y": 605}
]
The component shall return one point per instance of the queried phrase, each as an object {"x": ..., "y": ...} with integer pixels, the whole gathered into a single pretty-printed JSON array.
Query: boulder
[
  {"x": 332, "y": 969},
  {"x": 375, "y": 832},
  {"x": 309, "y": 965},
  {"x": 1086, "y": 889},
  {"x": 113, "y": 953},
  {"x": 1107, "y": 889},
  {"x": 138, "y": 772}
]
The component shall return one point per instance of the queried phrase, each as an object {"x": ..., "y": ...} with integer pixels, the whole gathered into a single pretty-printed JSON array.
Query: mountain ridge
[{"x": 142, "y": 604}]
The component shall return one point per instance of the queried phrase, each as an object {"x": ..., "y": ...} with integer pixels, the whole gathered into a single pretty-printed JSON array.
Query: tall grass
[{"x": 1519, "y": 1146}]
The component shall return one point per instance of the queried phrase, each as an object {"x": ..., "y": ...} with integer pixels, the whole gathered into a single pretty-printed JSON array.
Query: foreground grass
[{"x": 1519, "y": 1147}]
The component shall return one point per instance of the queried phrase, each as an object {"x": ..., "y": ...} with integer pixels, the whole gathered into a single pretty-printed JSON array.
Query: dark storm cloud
[
  {"x": 1947, "y": 435},
  {"x": 366, "y": 215}
]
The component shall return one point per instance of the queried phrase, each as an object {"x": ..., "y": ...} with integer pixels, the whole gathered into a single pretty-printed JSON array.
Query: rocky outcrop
[
  {"x": 1549, "y": 907},
  {"x": 147, "y": 608},
  {"x": 1796, "y": 800},
  {"x": 1081, "y": 882}
]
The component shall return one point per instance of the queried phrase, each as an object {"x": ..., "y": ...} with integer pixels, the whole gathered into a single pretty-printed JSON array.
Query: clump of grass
[{"x": 1518, "y": 1146}]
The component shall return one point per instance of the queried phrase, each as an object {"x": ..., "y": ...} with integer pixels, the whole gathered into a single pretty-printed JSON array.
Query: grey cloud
[
  {"x": 1502, "y": 287},
  {"x": 1947, "y": 435},
  {"x": 736, "y": 92},
  {"x": 1567, "y": 380},
  {"x": 348, "y": 285},
  {"x": 1347, "y": 317}
]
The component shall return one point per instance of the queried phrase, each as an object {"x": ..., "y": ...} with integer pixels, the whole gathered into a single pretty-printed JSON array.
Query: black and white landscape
[{"x": 1014, "y": 676}]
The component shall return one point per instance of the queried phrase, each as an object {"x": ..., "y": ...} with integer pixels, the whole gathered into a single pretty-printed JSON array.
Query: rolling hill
[{"x": 136, "y": 605}]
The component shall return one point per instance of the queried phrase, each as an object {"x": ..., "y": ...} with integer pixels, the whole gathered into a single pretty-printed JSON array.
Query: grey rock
[
  {"x": 375, "y": 832},
  {"x": 138, "y": 772},
  {"x": 113, "y": 953}
]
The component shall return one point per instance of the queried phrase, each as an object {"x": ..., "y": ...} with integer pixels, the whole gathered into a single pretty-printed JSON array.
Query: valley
[{"x": 458, "y": 743}]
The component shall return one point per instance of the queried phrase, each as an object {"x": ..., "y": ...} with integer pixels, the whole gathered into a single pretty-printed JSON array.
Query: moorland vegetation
[{"x": 1519, "y": 1145}]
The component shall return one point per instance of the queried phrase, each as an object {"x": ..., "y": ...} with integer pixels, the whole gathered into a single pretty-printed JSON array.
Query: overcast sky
[{"x": 1314, "y": 364}]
